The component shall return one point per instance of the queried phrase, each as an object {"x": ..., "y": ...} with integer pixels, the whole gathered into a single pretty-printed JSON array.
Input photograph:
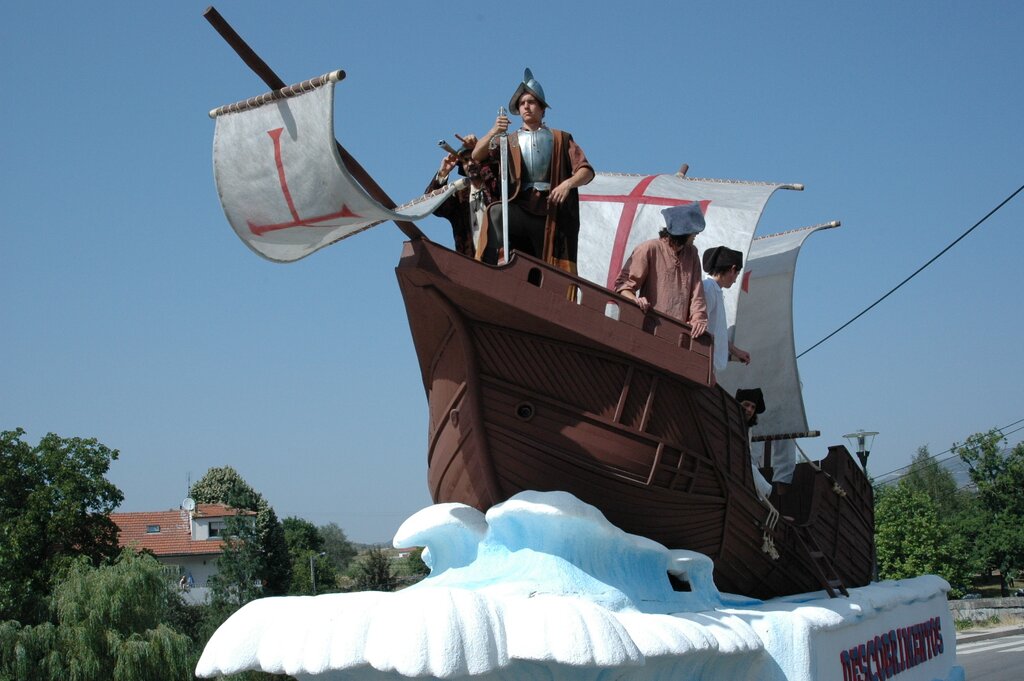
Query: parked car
[
  {"x": 971, "y": 596},
  {"x": 1019, "y": 592}
]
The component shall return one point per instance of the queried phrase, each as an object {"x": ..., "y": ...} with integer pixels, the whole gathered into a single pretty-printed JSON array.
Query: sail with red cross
[
  {"x": 620, "y": 211},
  {"x": 282, "y": 182}
]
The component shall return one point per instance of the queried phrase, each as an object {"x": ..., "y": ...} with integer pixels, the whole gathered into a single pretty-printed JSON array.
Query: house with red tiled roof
[{"x": 190, "y": 541}]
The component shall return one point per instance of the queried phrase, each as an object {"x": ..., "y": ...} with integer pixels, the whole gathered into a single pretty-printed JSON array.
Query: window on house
[
  {"x": 152, "y": 529},
  {"x": 217, "y": 528}
]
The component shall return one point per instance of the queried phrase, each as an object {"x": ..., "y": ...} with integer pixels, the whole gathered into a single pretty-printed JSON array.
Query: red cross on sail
[
  {"x": 630, "y": 203},
  {"x": 617, "y": 212},
  {"x": 296, "y": 221}
]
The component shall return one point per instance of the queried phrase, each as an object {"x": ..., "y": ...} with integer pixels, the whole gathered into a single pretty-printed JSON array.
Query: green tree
[
  {"x": 413, "y": 564},
  {"x": 224, "y": 485},
  {"x": 237, "y": 580},
  {"x": 322, "y": 570},
  {"x": 927, "y": 475},
  {"x": 997, "y": 472},
  {"x": 373, "y": 572},
  {"x": 301, "y": 535},
  {"x": 55, "y": 504},
  {"x": 259, "y": 547},
  {"x": 337, "y": 546},
  {"x": 308, "y": 558},
  {"x": 110, "y": 625},
  {"x": 911, "y": 540},
  {"x": 276, "y": 570}
]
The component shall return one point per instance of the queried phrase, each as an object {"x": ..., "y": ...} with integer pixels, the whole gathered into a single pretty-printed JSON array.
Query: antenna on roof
[{"x": 189, "y": 504}]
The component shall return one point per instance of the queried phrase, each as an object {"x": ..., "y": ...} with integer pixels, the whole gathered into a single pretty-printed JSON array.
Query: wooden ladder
[{"x": 820, "y": 564}]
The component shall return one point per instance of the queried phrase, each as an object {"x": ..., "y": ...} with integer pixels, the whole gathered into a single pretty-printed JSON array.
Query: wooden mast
[{"x": 274, "y": 82}]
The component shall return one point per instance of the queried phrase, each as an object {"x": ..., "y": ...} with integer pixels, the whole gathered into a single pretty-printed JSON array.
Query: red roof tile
[{"x": 174, "y": 537}]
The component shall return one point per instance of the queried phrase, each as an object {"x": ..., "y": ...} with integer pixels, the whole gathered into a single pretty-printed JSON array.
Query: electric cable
[
  {"x": 918, "y": 271},
  {"x": 884, "y": 480}
]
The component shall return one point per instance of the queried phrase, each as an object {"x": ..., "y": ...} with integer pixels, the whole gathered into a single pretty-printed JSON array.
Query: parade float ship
[{"x": 537, "y": 379}]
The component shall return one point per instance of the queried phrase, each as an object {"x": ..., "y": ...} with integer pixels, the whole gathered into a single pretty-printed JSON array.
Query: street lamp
[
  {"x": 312, "y": 570},
  {"x": 864, "y": 439}
]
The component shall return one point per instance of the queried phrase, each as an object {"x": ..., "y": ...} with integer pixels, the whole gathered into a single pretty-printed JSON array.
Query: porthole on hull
[{"x": 524, "y": 411}]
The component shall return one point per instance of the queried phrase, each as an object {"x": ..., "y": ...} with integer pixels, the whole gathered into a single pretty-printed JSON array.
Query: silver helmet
[{"x": 530, "y": 85}]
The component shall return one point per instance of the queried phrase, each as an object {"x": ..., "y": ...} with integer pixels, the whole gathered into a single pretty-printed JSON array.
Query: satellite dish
[{"x": 189, "y": 504}]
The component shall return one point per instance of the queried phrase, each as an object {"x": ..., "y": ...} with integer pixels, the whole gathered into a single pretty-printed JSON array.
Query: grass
[
  {"x": 964, "y": 625},
  {"x": 993, "y": 621}
]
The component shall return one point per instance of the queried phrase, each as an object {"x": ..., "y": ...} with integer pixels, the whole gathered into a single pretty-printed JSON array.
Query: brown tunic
[
  {"x": 670, "y": 282},
  {"x": 561, "y": 228}
]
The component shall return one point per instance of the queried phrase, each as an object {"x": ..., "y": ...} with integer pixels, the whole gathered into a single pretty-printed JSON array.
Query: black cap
[
  {"x": 721, "y": 257},
  {"x": 751, "y": 395}
]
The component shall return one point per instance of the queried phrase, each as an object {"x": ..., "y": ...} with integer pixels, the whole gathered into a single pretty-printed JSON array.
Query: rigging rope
[{"x": 918, "y": 271}]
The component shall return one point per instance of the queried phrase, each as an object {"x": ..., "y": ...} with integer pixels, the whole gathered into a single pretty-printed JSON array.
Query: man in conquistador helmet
[{"x": 546, "y": 167}]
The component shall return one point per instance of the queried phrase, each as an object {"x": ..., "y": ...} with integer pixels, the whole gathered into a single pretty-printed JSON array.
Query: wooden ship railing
[{"x": 567, "y": 301}]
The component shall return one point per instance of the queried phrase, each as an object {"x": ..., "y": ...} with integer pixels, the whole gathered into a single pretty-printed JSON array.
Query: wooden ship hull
[{"x": 538, "y": 380}]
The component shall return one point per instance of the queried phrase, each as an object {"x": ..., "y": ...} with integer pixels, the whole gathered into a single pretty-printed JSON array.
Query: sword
[{"x": 503, "y": 146}]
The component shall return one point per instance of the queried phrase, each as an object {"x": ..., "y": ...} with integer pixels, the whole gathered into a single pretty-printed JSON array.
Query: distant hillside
[{"x": 363, "y": 548}]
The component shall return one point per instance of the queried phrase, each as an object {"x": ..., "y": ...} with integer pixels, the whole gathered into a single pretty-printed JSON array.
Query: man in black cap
[
  {"x": 465, "y": 208},
  {"x": 783, "y": 452},
  {"x": 545, "y": 168},
  {"x": 723, "y": 266},
  {"x": 752, "y": 401}
]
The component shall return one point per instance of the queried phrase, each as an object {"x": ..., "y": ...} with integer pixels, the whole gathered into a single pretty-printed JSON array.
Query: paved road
[{"x": 995, "y": 659}]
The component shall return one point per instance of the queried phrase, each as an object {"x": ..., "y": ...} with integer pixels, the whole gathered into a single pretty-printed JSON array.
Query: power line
[
  {"x": 957, "y": 462},
  {"x": 1001, "y": 430},
  {"x": 918, "y": 271},
  {"x": 935, "y": 457}
]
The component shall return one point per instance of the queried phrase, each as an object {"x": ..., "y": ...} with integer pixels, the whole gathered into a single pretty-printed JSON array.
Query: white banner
[
  {"x": 766, "y": 332},
  {"x": 283, "y": 185}
]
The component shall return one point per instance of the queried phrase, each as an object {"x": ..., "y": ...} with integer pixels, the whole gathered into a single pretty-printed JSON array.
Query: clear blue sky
[{"x": 131, "y": 312}]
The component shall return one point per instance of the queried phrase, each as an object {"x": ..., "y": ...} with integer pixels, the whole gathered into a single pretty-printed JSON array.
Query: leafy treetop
[{"x": 55, "y": 505}]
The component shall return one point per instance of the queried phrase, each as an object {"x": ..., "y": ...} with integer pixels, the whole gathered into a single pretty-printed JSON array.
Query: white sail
[
  {"x": 618, "y": 212},
  {"x": 283, "y": 185},
  {"x": 765, "y": 330}
]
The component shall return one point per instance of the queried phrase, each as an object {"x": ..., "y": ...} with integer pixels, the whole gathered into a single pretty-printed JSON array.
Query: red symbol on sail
[
  {"x": 745, "y": 286},
  {"x": 630, "y": 204},
  {"x": 296, "y": 221}
]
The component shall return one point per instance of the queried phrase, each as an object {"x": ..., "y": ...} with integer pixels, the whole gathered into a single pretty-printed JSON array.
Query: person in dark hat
[
  {"x": 546, "y": 167},
  {"x": 465, "y": 209},
  {"x": 664, "y": 273},
  {"x": 782, "y": 453},
  {"x": 723, "y": 267},
  {"x": 752, "y": 401}
]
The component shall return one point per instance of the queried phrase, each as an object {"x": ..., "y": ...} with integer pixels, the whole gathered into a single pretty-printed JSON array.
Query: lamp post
[
  {"x": 312, "y": 569},
  {"x": 864, "y": 440}
]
